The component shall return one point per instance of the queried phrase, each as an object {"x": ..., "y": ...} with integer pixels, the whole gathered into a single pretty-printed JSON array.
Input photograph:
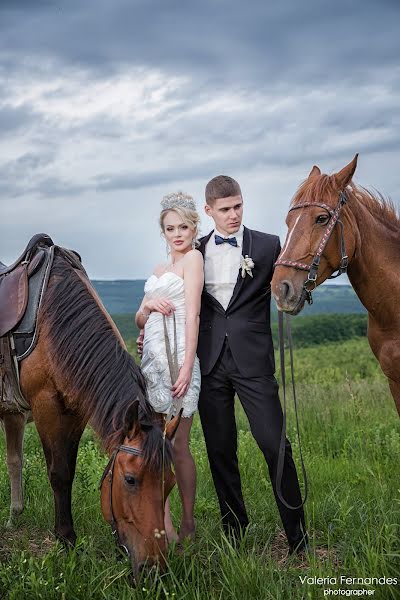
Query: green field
[{"x": 351, "y": 445}]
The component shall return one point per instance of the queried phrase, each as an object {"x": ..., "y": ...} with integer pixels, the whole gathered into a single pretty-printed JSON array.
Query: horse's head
[
  {"x": 135, "y": 485},
  {"x": 309, "y": 220}
]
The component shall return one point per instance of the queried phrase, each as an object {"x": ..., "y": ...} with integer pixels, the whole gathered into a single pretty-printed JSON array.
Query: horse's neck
[{"x": 373, "y": 271}]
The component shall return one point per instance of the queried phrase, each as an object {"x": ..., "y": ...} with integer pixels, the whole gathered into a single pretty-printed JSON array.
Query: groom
[{"x": 237, "y": 357}]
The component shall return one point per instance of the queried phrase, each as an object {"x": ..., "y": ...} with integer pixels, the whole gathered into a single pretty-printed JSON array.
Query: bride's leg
[
  {"x": 185, "y": 470},
  {"x": 172, "y": 536}
]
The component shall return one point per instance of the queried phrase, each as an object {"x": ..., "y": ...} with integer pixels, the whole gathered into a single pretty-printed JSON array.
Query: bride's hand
[
  {"x": 161, "y": 305},
  {"x": 181, "y": 385}
]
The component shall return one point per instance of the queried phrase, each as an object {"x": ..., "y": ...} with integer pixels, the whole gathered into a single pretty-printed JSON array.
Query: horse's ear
[
  {"x": 131, "y": 421},
  {"x": 344, "y": 176},
  {"x": 314, "y": 172},
  {"x": 173, "y": 425}
]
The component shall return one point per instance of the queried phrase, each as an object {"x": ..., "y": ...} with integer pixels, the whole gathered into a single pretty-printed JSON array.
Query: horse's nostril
[{"x": 286, "y": 289}]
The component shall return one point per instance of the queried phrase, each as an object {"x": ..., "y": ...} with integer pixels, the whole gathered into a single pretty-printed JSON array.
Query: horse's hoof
[{"x": 14, "y": 513}]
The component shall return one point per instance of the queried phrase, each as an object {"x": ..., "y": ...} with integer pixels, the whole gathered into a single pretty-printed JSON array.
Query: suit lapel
[
  {"x": 246, "y": 249},
  {"x": 203, "y": 242}
]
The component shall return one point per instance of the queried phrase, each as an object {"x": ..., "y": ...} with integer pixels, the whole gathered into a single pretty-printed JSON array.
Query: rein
[
  {"x": 173, "y": 365},
  {"x": 176, "y": 404},
  {"x": 282, "y": 444},
  {"x": 311, "y": 282}
]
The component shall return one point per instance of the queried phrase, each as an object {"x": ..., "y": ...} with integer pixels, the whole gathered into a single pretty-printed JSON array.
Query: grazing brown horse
[
  {"x": 334, "y": 225},
  {"x": 80, "y": 372}
]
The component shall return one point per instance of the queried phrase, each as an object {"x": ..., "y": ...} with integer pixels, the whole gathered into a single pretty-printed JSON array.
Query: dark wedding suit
[{"x": 237, "y": 356}]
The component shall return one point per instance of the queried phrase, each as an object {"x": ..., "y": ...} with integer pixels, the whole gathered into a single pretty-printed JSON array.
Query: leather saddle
[{"x": 14, "y": 282}]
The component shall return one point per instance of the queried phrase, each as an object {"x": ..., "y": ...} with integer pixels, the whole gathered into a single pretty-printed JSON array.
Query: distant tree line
[
  {"x": 324, "y": 328},
  {"x": 307, "y": 331}
]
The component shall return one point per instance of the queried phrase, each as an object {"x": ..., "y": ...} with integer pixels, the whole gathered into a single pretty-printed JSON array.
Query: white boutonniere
[{"x": 246, "y": 264}]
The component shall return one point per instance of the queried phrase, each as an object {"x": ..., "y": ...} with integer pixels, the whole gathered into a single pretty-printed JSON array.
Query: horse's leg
[
  {"x": 395, "y": 389},
  {"x": 60, "y": 431},
  {"x": 14, "y": 426}
]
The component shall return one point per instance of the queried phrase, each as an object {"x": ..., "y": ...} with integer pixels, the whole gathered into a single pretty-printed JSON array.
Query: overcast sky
[{"x": 106, "y": 106}]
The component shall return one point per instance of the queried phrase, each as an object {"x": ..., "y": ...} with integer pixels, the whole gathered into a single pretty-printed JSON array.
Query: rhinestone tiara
[{"x": 178, "y": 199}]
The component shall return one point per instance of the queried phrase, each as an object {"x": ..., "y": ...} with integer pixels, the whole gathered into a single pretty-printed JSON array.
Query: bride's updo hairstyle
[{"x": 184, "y": 206}]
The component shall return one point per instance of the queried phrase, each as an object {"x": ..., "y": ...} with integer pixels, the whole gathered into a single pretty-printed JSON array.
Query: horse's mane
[
  {"x": 317, "y": 188},
  {"x": 100, "y": 377}
]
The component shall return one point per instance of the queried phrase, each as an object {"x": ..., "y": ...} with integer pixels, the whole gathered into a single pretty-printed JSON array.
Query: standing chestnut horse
[
  {"x": 335, "y": 225},
  {"x": 80, "y": 372}
]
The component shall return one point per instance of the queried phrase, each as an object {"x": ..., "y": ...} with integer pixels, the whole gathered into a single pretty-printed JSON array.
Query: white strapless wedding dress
[{"x": 154, "y": 360}]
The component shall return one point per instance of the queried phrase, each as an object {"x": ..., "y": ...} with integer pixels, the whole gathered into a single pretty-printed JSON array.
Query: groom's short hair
[{"x": 221, "y": 186}]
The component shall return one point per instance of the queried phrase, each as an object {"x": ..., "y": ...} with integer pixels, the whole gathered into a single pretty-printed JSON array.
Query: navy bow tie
[{"x": 220, "y": 240}]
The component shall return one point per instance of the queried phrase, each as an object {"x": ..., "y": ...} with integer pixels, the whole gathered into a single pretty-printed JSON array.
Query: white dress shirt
[{"x": 221, "y": 266}]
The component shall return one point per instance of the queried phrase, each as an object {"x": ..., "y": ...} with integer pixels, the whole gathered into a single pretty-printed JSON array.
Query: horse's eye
[
  {"x": 130, "y": 480},
  {"x": 322, "y": 219}
]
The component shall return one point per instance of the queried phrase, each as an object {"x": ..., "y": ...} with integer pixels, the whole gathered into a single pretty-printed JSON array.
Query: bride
[{"x": 169, "y": 315}]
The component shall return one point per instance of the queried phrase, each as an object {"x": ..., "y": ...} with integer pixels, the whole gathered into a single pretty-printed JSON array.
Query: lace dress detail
[{"x": 154, "y": 360}]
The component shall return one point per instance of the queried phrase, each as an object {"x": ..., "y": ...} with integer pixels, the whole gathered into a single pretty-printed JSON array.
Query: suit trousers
[{"x": 260, "y": 400}]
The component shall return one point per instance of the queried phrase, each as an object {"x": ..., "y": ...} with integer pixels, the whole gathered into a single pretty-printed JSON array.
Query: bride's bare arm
[
  {"x": 162, "y": 305},
  {"x": 193, "y": 269},
  {"x": 142, "y": 314}
]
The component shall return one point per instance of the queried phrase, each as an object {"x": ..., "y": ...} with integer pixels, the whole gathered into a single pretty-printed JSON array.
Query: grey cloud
[
  {"x": 26, "y": 5},
  {"x": 57, "y": 187},
  {"x": 17, "y": 175},
  {"x": 12, "y": 118}
]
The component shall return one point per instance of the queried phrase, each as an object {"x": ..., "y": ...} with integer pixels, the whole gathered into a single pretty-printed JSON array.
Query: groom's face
[{"x": 227, "y": 214}]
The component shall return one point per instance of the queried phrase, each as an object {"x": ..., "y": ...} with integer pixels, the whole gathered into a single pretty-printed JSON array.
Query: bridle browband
[
  {"x": 311, "y": 282},
  {"x": 109, "y": 470}
]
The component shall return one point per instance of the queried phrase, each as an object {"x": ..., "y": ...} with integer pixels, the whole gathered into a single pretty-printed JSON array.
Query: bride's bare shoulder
[
  {"x": 194, "y": 257},
  {"x": 159, "y": 270},
  {"x": 193, "y": 264}
]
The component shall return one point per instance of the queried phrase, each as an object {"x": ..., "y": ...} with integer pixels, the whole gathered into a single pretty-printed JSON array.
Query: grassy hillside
[{"x": 351, "y": 444}]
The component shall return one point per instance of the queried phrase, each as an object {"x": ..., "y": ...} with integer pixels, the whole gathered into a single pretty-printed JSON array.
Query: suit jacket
[{"x": 246, "y": 320}]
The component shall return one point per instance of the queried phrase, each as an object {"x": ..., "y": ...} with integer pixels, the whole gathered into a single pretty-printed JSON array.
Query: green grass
[
  {"x": 309, "y": 330},
  {"x": 351, "y": 445}
]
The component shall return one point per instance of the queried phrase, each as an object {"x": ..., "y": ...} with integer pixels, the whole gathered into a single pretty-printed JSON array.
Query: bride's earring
[
  {"x": 193, "y": 243},
  {"x": 168, "y": 249}
]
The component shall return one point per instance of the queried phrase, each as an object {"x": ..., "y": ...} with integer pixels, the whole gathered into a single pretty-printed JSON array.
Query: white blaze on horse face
[{"x": 289, "y": 237}]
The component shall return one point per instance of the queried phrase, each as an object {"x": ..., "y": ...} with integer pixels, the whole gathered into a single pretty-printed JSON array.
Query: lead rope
[
  {"x": 282, "y": 445},
  {"x": 175, "y": 405}
]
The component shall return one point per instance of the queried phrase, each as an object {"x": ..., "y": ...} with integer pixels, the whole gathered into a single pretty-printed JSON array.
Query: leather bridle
[
  {"x": 311, "y": 282},
  {"x": 109, "y": 470}
]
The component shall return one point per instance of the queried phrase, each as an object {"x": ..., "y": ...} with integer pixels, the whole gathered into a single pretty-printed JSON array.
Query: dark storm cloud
[
  {"x": 17, "y": 176},
  {"x": 259, "y": 42}
]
